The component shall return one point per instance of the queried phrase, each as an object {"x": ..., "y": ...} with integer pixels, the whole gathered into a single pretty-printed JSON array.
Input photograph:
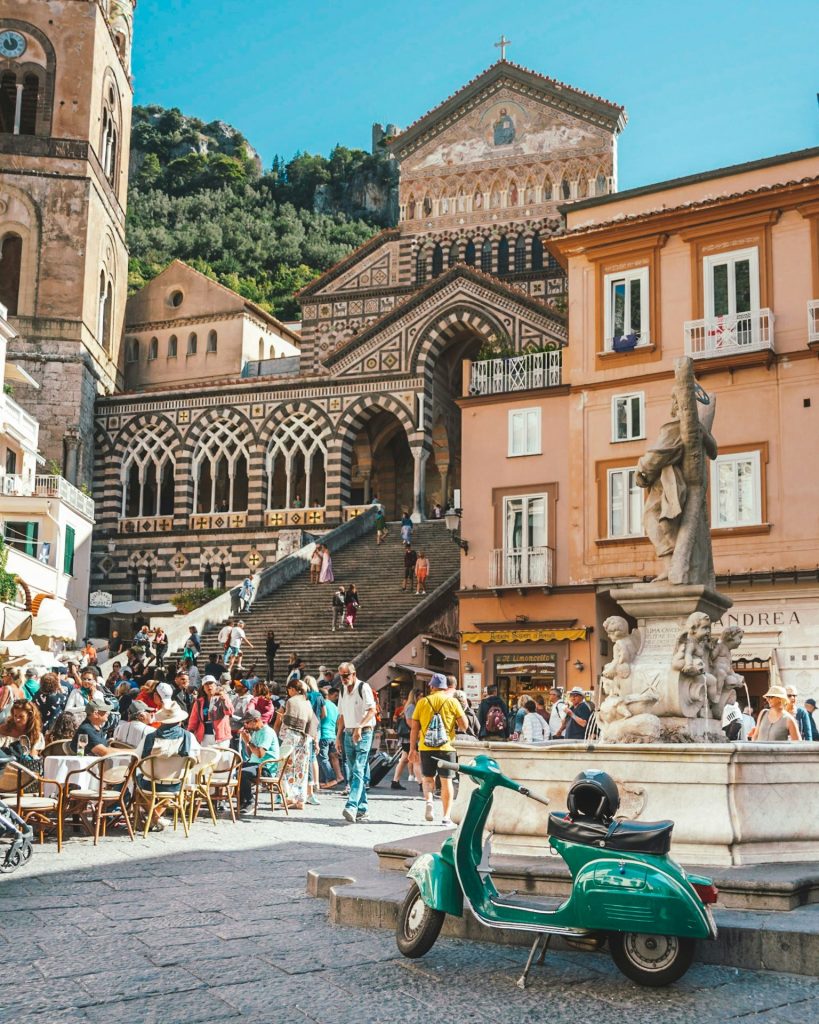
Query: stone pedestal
[{"x": 679, "y": 701}]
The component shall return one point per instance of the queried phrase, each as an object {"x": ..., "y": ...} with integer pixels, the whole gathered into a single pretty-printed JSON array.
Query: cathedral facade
[{"x": 300, "y": 429}]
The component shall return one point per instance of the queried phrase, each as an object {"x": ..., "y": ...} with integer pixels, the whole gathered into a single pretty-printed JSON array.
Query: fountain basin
[{"x": 732, "y": 803}]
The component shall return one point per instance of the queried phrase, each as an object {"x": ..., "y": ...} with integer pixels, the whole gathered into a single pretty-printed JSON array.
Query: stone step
[{"x": 768, "y": 940}]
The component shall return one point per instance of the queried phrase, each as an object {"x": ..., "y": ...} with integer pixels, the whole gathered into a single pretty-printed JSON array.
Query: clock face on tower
[{"x": 12, "y": 44}]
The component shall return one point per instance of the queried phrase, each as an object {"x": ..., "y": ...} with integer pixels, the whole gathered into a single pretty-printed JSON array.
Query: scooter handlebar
[{"x": 533, "y": 796}]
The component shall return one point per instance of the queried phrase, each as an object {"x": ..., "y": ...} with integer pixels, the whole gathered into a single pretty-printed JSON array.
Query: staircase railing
[
  {"x": 265, "y": 582},
  {"x": 374, "y": 657}
]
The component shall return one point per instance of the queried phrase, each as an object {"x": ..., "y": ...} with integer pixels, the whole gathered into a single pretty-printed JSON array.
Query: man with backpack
[
  {"x": 434, "y": 721},
  {"x": 493, "y": 715}
]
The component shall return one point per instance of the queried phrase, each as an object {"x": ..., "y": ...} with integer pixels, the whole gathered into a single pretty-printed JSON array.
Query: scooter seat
[{"x": 622, "y": 836}]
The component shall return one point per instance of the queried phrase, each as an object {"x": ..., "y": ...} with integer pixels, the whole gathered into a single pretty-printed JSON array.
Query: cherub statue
[
  {"x": 692, "y": 657},
  {"x": 625, "y": 648},
  {"x": 723, "y": 668}
]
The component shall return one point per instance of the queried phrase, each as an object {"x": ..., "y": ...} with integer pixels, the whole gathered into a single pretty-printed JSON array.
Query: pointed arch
[
  {"x": 469, "y": 253},
  {"x": 295, "y": 462},
  {"x": 454, "y": 253},
  {"x": 437, "y": 260},
  {"x": 220, "y": 469},
  {"x": 537, "y": 252},
  {"x": 147, "y": 474},
  {"x": 486, "y": 255}
]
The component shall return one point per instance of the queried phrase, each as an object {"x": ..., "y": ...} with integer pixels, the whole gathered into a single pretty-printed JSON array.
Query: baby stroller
[{"x": 15, "y": 831}]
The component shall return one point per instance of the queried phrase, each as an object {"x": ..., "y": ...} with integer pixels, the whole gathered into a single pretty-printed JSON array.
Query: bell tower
[{"x": 65, "y": 121}]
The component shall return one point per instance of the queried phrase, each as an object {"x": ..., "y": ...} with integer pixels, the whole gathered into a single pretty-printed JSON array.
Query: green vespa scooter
[{"x": 625, "y": 887}]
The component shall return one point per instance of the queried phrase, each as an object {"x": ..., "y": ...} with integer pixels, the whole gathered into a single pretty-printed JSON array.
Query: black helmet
[{"x": 593, "y": 794}]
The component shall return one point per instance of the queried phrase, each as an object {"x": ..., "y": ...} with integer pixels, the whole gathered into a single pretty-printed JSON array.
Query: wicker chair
[
  {"x": 160, "y": 770},
  {"x": 223, "y": 783},
  {"x": 108, "y": 796},
  {"x": 274, "y": 782}
]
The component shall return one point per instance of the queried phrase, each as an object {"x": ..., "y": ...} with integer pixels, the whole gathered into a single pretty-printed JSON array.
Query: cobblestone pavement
[{"x": 219, "y": 928}]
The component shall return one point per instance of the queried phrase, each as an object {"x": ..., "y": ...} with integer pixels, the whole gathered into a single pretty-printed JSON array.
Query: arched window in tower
[
  {"x": 469, "y": 253},
  {"x": 213, "y": 342},
  {"x": 28, "y": 105},
  {"x": 102, "y": 311},
  {"x": 537, "y": 252},
  {"x": 220, "y": 470},
  {"x": 486, "y": 256},
  {"x": 108, "y": 319},
  {"x": 296, "y": 463},
  {"x": 601, "y": 184},
  {"x": 261, "y": 349},
  {"x": 11, "y": 255},
  {"x": 147, "y": 475},
  {"x": 437, "y": 260},
  {"x": 454, "y": 253},
  {"x": 520, "y": 254},
  {"x": 132, "y": 350},
  {"x": 109, "y": 144},
  {"x": 421, "y": 266},
  {"x": 503, "y": 255},
  {"x": 192, "y": 343},
  {"x": 565, "y": 189},
  {"x": 172, "y": 346},
  {"x": 8, "y": 101},
  {"x": 153, "y": 348}
]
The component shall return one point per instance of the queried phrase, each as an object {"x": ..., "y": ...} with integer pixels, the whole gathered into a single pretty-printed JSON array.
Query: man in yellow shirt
[{"x": 439, "y": 701}]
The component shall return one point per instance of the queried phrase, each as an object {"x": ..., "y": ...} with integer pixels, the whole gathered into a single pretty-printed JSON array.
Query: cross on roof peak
[{"x": 503, "y": 42}]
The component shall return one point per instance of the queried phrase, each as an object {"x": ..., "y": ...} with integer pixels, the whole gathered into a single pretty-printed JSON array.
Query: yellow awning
[{"x": 513, "y": 636}]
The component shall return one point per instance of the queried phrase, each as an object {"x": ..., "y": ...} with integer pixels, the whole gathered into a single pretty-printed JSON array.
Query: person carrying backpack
[
  {"x": 434, "y": 721},
  {"x": 493, "y": 715}
]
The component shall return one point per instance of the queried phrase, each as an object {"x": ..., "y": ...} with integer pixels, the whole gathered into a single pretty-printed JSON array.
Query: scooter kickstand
[{"x": 545, "y": 939}]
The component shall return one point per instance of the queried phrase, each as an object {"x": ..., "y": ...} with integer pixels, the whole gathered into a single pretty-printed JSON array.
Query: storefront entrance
[{"x": 524, "y": 673}]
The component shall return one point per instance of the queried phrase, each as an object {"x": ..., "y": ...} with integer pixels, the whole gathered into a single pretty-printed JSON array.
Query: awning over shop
[
  {"x": 54, "y": 620},
  {"x": 26, "y": 652},
  {"x": 15, "y": 623},
  {"x": 133, "y": 608},
  {"x": 513, "y": 636},
  {"x": 448, "y": 650},
  {"x": 417, "y": 670}
]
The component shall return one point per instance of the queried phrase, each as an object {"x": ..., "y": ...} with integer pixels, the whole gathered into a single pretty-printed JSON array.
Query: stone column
[
  {"x": 419, "y": 457},
  {"x": 71, "y": 441}
]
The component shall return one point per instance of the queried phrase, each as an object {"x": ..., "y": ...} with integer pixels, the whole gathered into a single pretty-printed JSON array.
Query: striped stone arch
[
  {"x": 340, "y": 450},
  {"x": 224, "y": 412},
  {"x": 138, "y": 424},
  {"x": 285, "y": 410},
  {"x": 442, "y": 327}
]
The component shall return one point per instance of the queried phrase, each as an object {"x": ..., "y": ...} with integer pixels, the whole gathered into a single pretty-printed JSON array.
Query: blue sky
[{"x": 705, "y": 83}]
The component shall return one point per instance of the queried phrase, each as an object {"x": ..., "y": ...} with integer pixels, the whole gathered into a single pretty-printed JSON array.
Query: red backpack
[{"x": 495, "y": 721}]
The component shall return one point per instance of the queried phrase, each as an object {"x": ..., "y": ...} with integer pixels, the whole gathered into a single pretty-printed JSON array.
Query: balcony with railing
[
  {"x": 508, "y": 374},
  {"x": 59, "y": 487},
  {"x": 521, "y": 567},
  {"x": 16, "y": 421},
  {"x": 813, "y": 321},
  {"x": 730, "y": 335}
]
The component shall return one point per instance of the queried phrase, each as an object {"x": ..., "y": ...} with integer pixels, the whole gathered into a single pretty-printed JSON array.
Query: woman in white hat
[{"x": 775, "y": 723}]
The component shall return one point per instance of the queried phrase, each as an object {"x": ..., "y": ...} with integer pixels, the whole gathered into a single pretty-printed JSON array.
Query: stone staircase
[{"x": 300, "y": 612}]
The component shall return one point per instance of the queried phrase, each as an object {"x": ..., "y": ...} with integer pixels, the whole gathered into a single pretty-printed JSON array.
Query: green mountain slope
[{"x": 197, "y": 193}]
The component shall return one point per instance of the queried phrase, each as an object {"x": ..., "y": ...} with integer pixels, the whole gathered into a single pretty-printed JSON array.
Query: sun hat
[
  {"x": 209, "y": 679},
  {"x": 165, "y": 691},
  {"x": 171, "y": 714},
  {"x": 578, "y": 691},
  {"x": 777, "y": 691},
  {"x": 438, "y": 682}
]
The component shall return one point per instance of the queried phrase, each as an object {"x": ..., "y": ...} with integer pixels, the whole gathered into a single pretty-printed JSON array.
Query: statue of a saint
[{"x": 674, "y": 473}]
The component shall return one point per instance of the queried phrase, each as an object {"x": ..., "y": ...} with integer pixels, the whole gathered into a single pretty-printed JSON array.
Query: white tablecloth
[{"x": 58, "y": 767}]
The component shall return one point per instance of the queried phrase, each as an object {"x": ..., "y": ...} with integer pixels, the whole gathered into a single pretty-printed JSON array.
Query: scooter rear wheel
[
  {"x": 652, "y": 960},
  {"x": 418, "y": 925}
]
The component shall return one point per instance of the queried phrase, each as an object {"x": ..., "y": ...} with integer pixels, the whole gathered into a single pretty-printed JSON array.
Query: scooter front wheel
[
  {"x": 418, "y": 925},
  {"x": 653, "y": 960}
]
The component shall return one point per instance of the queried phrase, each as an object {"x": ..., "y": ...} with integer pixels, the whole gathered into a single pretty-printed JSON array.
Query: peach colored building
[{"x": 724, "y": 267}]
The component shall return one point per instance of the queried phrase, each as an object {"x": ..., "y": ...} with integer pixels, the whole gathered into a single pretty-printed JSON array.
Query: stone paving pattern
[{"x": 219, "y": 928}]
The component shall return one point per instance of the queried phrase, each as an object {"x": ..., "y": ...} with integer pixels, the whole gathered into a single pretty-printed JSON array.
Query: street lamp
[{"x": 452, "y": 518}]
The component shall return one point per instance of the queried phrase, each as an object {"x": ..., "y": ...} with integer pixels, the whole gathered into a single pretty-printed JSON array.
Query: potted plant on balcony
[{"x": 624, "y": 342}]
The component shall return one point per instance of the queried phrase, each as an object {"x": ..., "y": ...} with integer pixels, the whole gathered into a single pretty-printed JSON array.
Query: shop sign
[
  {"x": 543, "y": 665},
  {"x": 99, "y": 599},
  {"x": 472, "y": 685}
]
